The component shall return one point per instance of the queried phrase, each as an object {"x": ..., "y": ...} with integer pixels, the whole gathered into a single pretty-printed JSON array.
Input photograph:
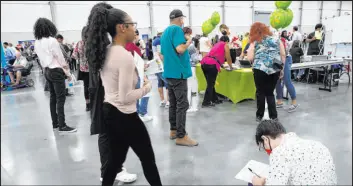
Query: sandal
[{"x": 126, "y": 177}]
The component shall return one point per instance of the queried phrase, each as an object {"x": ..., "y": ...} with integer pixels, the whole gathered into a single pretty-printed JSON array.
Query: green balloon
[
  {"x": 278, "y": 19},
  {"x": 289, "y": 14},
  {"x": 215, "y": 19},
  {"x": 283, "y": 4},
  {"x": 207, "y": 27}
]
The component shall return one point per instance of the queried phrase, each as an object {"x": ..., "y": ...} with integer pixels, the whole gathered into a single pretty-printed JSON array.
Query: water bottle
[{"x": 71, "y": 87}]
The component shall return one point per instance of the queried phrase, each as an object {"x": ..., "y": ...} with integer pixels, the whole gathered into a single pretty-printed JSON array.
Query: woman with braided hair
[{"x": 119, "y": 76}]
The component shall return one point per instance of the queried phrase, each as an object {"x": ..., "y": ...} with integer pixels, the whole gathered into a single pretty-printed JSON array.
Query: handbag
[{"x": 277, "y": 62}]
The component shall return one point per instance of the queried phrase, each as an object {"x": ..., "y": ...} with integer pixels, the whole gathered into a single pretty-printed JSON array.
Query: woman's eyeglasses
[{"x": 134, "y": 24}]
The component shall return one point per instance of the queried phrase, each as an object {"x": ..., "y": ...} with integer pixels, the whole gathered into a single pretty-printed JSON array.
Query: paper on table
[{"x": 259, "y": 168}]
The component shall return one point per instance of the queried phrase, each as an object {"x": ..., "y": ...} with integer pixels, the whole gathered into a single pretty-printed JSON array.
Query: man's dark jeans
[
  {"x": 179, "y": 104},
  {"x": 56, "y": 81}
]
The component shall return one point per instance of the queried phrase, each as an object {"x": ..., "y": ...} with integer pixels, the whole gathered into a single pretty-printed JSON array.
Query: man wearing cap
[{"x": 177, "y": 68}]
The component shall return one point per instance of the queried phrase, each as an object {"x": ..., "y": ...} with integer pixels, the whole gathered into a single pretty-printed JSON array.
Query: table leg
[{"x": 326, "y": 81}]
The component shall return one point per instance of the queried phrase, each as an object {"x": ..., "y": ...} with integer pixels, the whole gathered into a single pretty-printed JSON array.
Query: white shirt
[
  {"x": 21, "y": 61},
  {"x": 295, "y": 36},
  {"x": 301, "y": 162},
  {"x": 49, "y": 53},
  {"x": 203, "y": 44}
]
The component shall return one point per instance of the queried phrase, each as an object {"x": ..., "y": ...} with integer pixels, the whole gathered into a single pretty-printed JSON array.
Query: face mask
[
  {"x": 268, "y": 151},
  {"x": 182, "y": 26}
]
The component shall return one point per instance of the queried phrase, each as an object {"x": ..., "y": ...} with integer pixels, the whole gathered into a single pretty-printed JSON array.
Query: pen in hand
[{"x": 254, "y": 173}]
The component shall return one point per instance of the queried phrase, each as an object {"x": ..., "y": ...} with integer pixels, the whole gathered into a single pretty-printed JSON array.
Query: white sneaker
[
  {"x": 162, "y": 103},
  {"x": 192, "y": 110},
  {"x": 167, "y": 104},
  {"x": 125, "y": 177},
  {"x": 146, "y": 118}
]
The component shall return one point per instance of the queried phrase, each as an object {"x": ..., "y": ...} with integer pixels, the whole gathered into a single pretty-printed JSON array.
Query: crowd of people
[{"x": 116, "y": 96}]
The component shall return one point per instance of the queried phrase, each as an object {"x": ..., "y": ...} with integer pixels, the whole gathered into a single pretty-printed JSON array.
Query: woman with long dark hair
[
  {"x": 265, "y": 51},
  {"x": 83, "y": 74},
  {"x": 96, "y": 93},
  {"x": 119, "y": 76},
  {"x": 56, "y": 70}
]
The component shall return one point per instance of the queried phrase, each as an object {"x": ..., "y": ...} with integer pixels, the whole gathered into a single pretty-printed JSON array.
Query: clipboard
[{"x": 259, "y": 168}]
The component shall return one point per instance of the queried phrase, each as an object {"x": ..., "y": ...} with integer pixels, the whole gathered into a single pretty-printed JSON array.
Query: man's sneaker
[
  {"x": 146, "y": 118},
  {"x": 258, "y": 119},
  {"x": 292, "y": 108},
  {"x": 167, "y": 104},
  {"x": 173, "y": 134},
  {"x": 186, "y": 141},
  {"x": 162, "y": 104},
  {"x": 67, "y": 129},
  {"x": 125, "y": 177},
  {"x": 279, "y": 105}
]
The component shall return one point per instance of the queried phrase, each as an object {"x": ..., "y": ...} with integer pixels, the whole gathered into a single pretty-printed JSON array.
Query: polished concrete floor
[{"x": 32, "y": 154}]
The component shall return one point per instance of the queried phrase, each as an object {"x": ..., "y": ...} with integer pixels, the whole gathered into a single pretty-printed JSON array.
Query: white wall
[{"x": 71, "y": 16}]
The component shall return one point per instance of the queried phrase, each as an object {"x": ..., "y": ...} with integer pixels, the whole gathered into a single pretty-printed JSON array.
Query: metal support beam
[
  {"x": 223, "y": 6},
  {"x": 321, "y": 10},
  {"x": 301, "y": 16},
  {"x": 190, "y": 13},
  {"x": 53, "y": 12},
  {"x": 253, "y": 11},
  {"x": 150, "y": 8},
  {"x": 340, "y": 9}
]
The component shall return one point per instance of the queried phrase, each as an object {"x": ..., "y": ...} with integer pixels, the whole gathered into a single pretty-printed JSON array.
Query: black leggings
[
  {"x": 85, "y": 78},
  {"x": 124, "y": 131},
  {"x": 265, "y": 85},
  {"x": 210, "y": 72}
]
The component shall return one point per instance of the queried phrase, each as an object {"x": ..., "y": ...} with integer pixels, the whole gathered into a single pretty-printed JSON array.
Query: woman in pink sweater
[
  {"x": 119, "y": 78},
  {"x": 211, "y": 65}
]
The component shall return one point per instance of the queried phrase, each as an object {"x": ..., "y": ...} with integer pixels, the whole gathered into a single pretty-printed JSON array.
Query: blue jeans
[
  {"x": 287, "y": 81},
  {"x": 141, "y": 107}
]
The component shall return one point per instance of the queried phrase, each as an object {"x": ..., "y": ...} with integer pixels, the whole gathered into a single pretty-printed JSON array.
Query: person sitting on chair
[{"x": 19, "y": 67}]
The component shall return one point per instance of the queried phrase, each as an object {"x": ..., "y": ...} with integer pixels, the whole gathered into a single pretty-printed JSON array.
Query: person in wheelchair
[{"x": 18, "y": 68}]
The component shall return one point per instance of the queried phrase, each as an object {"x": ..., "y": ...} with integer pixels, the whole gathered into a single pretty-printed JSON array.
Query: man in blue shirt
[
  {"x": 10, "y": 55},
  {"x": 177, "y": 69}
]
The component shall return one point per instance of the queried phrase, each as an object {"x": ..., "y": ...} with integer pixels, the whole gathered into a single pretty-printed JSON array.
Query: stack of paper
[{"x": 257, "y": 167}]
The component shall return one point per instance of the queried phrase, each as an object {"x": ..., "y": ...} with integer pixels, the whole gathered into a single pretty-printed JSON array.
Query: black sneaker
[
  {"x": 218, "y": 102},
  {"x": 208, "y": 105},
  {"x": 67, "y": 129}
]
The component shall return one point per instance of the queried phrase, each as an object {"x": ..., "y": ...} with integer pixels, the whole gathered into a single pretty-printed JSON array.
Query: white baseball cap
[{"x": 159, "y": 30}]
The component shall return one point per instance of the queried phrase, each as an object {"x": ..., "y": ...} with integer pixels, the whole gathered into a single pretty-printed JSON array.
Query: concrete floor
[{"x": 32, "y": 154}]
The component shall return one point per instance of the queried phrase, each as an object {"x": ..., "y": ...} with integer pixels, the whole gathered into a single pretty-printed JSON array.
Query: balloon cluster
[
  {"x": 210, "y": 24},
  {"x": 282, "y": 16}
]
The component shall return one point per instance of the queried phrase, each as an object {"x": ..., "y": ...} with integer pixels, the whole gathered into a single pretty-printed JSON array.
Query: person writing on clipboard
[{"x": 293, "y": 160}]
